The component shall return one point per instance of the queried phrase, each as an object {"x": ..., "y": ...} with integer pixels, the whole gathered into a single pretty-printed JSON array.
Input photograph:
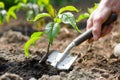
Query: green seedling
[{"x": 52, "y": 29}]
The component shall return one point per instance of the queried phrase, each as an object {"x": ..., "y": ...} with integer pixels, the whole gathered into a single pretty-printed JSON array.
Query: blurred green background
[{"x": 59, "y": 3}]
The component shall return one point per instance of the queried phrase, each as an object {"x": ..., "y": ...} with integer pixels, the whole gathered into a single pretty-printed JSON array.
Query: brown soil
[{"x": 95, "y": 61}]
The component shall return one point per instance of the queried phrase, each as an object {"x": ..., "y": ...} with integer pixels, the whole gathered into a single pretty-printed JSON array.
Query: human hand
[{"x": 100, "y": 15}]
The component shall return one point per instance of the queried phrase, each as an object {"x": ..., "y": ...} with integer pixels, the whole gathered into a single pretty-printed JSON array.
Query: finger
[
  {"x": 110, "y": 29},
  {"x": 89, "y": 23},
  {"x": 104, "y": 30},
  {"x": 98, "y": 21},
  {"x": 107, "y": 30},
  {"x": 96, "y": 30}
]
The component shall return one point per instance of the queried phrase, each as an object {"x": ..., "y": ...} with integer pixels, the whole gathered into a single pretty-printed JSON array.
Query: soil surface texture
[{"x": 95, "y": 60}]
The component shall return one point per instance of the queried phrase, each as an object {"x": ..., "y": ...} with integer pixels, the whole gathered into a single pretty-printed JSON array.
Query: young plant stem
[{"x": 43, "y": 59}]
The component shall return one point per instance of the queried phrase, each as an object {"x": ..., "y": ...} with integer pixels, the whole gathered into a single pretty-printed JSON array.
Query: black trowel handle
[{"x": 88, "y": 34}]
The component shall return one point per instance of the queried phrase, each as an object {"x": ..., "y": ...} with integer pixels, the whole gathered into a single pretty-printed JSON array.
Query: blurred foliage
[
  {"x": 8, "y": 3},
  {"x": 90, "y": 10},
  {"x": 67, "y": 2},
  {"x": 31, "y": 7},
  {"x": 87, "y": 14}
]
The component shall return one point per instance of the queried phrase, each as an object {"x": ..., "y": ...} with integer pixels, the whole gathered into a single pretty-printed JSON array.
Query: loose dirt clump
[{"x": 13, "y": 37}]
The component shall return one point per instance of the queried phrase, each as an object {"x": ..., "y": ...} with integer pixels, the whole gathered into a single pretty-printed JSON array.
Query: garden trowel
[{"x": 63, "y": 61}]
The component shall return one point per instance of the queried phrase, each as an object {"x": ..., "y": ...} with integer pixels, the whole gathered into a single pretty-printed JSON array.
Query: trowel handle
[{"x": 88, "y": 34}]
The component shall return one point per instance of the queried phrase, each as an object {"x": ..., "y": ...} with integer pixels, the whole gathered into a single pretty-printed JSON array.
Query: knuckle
[
  {"x": 98, "y": 19},
  {"x": 95, "y": 30},
  {"x": 89, "y": 22}
]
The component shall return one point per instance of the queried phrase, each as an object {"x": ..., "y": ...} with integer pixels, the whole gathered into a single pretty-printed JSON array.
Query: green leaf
[
  {"x": 1, "y": 18},
  {"x": 2, "y": 5},
  {"x": 82, "y": 16},
  {"x": 39, "y": 2},
  {"x": 11, "y": 12},
  {"x": 34, "y": 37},
  {"x": 48, "y": 30},
  {"x": 90, "y": 10},
  {"x": 28, "y": 44},
  {"x": 68, "y": 8},
  {"x": 37, "y": 34},
  {"x": 55, "y": 30},
  {"x": 41, "y": 16},
  {"x": 50, "y": 9},
  {"x": 52, "y": 29},
  {"x": 57, "y": 20},
  {"x": 45, "y": 1},
  {"x": 24, "y": 1},
  {"x": 47, "y": 5},
  {"x": 68, "y": 18},
  {"x": 20, "y": 1}
]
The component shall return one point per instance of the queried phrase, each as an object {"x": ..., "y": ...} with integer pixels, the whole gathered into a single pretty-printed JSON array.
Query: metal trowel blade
[{"x": 64, "y": 64}]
